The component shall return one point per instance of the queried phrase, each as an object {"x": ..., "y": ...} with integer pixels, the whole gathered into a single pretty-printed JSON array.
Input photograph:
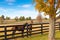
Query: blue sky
[{"x": 12, "y": 8}]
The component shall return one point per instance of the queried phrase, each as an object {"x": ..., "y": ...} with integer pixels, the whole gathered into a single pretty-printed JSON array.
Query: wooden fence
[{"x": 38, "y": 28}]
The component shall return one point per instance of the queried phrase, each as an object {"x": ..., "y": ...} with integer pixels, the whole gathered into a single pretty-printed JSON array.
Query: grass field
[{"x": 40, "y": 37}]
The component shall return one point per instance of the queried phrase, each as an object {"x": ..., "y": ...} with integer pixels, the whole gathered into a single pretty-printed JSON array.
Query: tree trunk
[{"x": 51, "y": 29}]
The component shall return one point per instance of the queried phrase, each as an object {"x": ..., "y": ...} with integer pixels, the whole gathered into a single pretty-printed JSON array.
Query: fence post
[
  {"x": 41, "y": 28},
  {"x": 27, "y": 30},
  {"x": 31, "y": 30},
  {"x": 5, "y": 28},
  {"x": 59, "y": 26}
]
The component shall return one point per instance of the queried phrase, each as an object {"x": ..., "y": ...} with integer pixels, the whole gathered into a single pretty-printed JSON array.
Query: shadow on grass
[{"x": 57, "y": 38}]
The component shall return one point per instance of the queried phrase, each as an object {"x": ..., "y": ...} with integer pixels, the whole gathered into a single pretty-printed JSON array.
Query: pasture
[{"x": 37, "y": 29}]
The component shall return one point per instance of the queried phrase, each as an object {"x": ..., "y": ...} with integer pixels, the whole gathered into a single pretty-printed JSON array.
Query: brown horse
[{"x": 19, "y": 28}]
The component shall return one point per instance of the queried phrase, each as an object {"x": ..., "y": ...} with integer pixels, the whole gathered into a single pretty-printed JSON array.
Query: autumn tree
[{"x": 50, "y": 8}]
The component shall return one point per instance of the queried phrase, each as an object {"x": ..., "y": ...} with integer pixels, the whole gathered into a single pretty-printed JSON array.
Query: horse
[
  {"x": 19, "y": 28},
  {"x": 29, "y": 29}
]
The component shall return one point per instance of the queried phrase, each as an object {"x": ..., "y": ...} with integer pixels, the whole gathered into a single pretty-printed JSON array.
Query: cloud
[
  {"x": 13, "y": 13},
  {"x": 25, "y": 13},
  {"x": 10, "y": 2},
  {"x": 3, "y": 11},
  {"x": 25, "y": 5}
]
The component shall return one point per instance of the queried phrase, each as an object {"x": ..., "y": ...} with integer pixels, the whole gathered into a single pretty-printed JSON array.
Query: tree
[
  {"x": 28, "y": 18},
  {"x": 7, "y": 18},
  {"x": 1, "y": 20},
  {"x": 16, "y": 18},
  {"x": 2, "y": 17},
  {"x": 48, "y": 6},
  {"x": 22, "y": 18}
]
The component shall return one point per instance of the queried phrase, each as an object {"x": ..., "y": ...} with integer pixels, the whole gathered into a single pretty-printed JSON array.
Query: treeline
[{"x": 21, "y": 18}]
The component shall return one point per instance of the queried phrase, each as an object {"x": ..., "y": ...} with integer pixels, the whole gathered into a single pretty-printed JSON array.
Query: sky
[{"x": 13, "y": 8}]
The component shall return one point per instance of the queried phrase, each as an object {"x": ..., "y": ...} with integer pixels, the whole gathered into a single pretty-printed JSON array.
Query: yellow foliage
[
  {"x": 47, "y": 9},
  {"x": 38, "y": 1},
  {"x": 50, "y": 1},
  {"x": 37, "y": 6},
  {"x": 42, "y": 6}
]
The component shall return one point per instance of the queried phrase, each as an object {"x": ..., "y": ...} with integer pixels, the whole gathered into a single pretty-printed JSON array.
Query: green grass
[
  {"x": 40, "y": 37},
  {"x": 57, "y": 36}
]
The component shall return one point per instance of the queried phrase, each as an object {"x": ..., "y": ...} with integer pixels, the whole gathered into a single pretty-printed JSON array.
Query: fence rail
[{"x": 38, "y": 29}]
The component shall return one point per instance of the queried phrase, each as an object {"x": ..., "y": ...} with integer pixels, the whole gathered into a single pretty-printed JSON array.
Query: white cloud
[
  {"x": 3, "y": 11},
  {"x": 13, "y": 13},
  {"x": 26, "y": 13},
  {"x": 25, "y": 5},
  {"x": 10, "y": 2}
]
